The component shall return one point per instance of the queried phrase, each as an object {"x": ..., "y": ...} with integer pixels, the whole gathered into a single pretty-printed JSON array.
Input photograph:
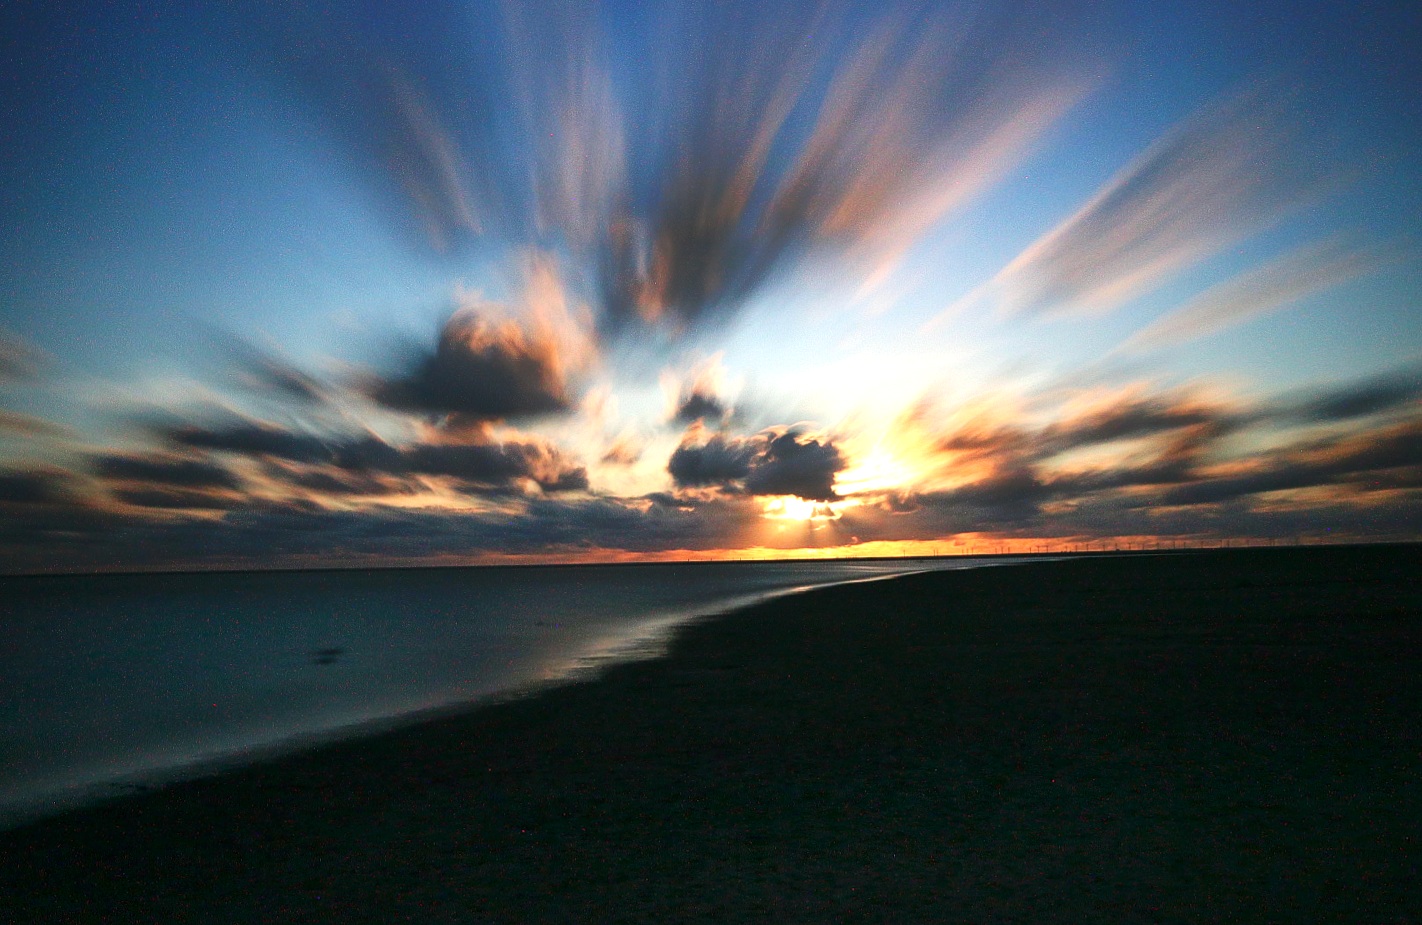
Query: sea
[{"x": 111, "y": 684}]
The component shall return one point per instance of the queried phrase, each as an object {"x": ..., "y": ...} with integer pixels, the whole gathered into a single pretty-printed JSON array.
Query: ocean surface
[{"x": 112, "y": 683}]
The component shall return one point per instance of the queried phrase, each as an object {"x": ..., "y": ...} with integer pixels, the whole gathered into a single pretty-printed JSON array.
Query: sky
[{"x": 289, "y": 284}]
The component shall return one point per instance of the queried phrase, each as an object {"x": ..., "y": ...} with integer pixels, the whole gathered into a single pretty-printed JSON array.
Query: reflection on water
[{"x": 106, "y": 679}]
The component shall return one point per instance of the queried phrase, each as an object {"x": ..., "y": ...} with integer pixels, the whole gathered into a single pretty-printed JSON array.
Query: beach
[{"x": 1204, "y": 736}]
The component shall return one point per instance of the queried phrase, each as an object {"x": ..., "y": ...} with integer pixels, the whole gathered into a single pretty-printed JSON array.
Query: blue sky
[{"x": 855, "y": 233}]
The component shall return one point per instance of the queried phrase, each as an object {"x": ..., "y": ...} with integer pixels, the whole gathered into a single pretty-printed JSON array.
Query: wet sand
[{"x": 1229, "y": 735}]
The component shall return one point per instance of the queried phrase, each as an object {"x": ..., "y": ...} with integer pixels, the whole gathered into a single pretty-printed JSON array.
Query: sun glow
[
  {"x": 879, "y": 470},
  {"x": 791, "y": 507}
]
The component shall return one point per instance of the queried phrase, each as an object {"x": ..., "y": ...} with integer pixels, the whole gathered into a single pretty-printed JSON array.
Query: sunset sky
[{"x": 447, "y": 282}]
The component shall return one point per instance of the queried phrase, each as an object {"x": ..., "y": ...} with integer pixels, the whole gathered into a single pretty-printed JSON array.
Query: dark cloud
[
  {"x": 767, "y": 464},
  {"x": 330, "y": 481},
  {"x": 1014, "y": 493},
  {"x": 1388, "y": 392},
  {"x": 717, "y": 461},
  {"x": 481, "y": 370},
  {"x": 901, "y": 116},
  {"x": 790, "y": 466},
  {"x": 782, "y": 135},
  {"x": 1130, "y": 419},
  {"x": 32, "y": 487},
  {"x": 1334, "y": 462},
  {"x": 1019, "y": 478},
  {"x": 354, "y": 464},
  {"x": 177, "y": 498},
  {"x": 251, "y": 438},
  {"x": 698, "y": 406},
  {"x": 292, "y": 533},
  {"x": 496, "y": 464},
  {"x": 334, "y": 497},
  {"x": 174, "y": 472}
]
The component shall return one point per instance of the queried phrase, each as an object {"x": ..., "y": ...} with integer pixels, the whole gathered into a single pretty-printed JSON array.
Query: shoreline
[
  {"x": 648, "y": 639},
  {"x": 494, "y": 566},
  {"x": 1204, "y": 547},
  {"x": 968, "y": 734}
]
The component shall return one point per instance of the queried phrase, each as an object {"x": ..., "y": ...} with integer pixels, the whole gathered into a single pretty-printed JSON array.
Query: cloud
[
  {"x": 28, "y": 426},
  {"x": 244, "y": 492},
  {"x": 700, "y": 396},
  {"x": 356, "y": 464},
  {"x": 252, "y": 438},
  {"x": 723, "y": 146},
  {"x": 1296, "y": 275},
  {"x": 1388, "y": 392},
  {"x": 33, "y": 487},
  {"x": 479, "y": 369},
  {"x": 624, "y": 451},
  {"x": 719, "y": 460},
  {"x": 496, "y": 464},
  {"x": 1219, "y": 177},
  {"x": 769, "y": 463},
  {"x": 1130, "y": 417},
  {"x": 1009, "y": 495},
  {"x": 917, "y": 115},
  {"x": 75, "y": 536},
  {"x": 405, "y": 103},
  {"x": 488, "y": 366},
  {"x": 177, "y": 498},
  {"x": 1345, "y": 460},
  {"x": 270, "y": 372},
  {"x": 170, "y": 471},
  {"x": 1186, "y": 454},
  {"x": 791, "y": 466},
  {"x": 698, "y": 406},
  {"x": 18, "y": 360}
]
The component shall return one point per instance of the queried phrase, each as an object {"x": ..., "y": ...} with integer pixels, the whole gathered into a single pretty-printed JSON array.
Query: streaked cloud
[
  {"x": 27, "y": 425},
  {"x": 818, "y": 134},
  {"x": 1226, "y": 173},
  {"x": 1294, "y": 276},
  {"x": 26, "y": 487},
  {"x": 366, "y": 464},
  {"x": 19, "y": 360},
  {"x": 1397, "y": 390},
  {"x": 170, "y": 471}
]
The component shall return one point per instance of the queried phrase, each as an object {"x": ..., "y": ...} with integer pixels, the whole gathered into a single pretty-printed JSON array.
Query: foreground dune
[{"x": 1210, "y": 736}]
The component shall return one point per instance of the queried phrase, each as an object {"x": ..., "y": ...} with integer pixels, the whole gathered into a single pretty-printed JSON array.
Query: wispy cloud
[
  {"x": 27, "y": 425},
  {"x": 18, "y": 359},
  {"x": 736, "y": 143},
  {"x": 1268, "y": 288},
  {"x": 1221, "y": 176}
]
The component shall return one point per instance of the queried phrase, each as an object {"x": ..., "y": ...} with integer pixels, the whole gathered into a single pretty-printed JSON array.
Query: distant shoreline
[{"x": 1221, "y": 546}]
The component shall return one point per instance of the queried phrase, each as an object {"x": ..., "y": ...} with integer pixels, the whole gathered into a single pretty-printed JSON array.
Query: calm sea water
[{"x": 113, "y": 682}]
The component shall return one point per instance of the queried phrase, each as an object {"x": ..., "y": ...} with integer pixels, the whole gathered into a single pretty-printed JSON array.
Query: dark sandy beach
[{"x": 1221, "y": 736}]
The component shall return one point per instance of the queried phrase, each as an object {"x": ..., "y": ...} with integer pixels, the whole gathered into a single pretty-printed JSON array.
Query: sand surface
[{"x": 1173, "y": 738}]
